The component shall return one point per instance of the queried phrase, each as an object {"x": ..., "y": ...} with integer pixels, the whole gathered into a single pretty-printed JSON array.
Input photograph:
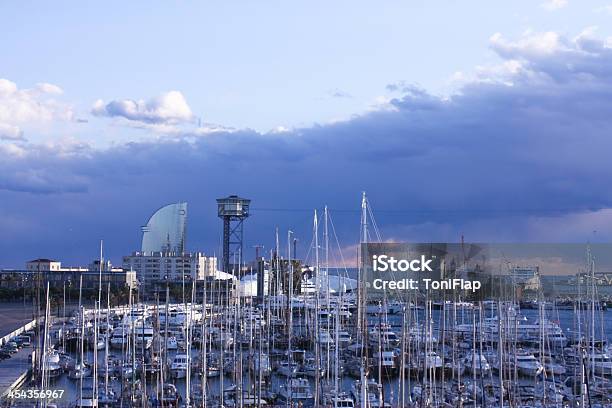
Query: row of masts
[
  {"x": 234, "y": 308},
  {"x": 241, "y": 309}
]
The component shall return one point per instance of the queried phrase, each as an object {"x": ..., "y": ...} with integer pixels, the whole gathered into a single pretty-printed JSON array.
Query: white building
[
  {"x": 172, "y": 266},
  {"x": 49, "y": 265},
  {"x": 522, "y": 274},
  {"x": 107, "y": 266},
  {"x": 43, "y": 265},
  {"x": 248, "y": 284},
  {"x": 57, "y": 275},
  {"x": 528, "y": 277},
  {"x": 165, "y": 230}
]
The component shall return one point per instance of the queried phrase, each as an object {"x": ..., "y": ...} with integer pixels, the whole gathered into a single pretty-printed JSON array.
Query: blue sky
[
  {"x": 264, "y": 64},
  {"x": 489, "y": 119}
]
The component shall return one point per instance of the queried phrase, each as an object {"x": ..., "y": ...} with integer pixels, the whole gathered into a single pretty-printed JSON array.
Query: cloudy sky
[{"x": 491, "y": 120}]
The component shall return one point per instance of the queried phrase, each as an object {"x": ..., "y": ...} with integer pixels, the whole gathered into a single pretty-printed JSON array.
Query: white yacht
[
  {"x": 325, "y": 339},
  {"x": 298, "y": 391},
  {"x": 477, "y": 364},
  {"x": 80, "y": 371},
  {"x": 179, "y": 366},
  {"x": 552, "y": 367},
  {"x": 426, "y": 360},
  {"x": 527, "y": 364},
  {"x": 309, "y": 368},
  {"x": 342, "y": 400},
  {"x": 171, "y": 343},
  {"x": 52, "y": 363},
  {"x": 422, "y": 336},
  {"x": 144, "y": 336},
  {"x": 373, "y": 394},
  {"x": 383, "y": 336},
  {"x": 262, "y": 364},
  {"x": 119, "y": 338},
  {"x": 386, "y": 360},
  {"x": 344, "y": 339},
  {"x": 287, "y": 369},
  {"x": 601, "y": 363}
]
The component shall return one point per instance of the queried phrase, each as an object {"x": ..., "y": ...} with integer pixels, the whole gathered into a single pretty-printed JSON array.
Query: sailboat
[{"x": 298, "y": 391}]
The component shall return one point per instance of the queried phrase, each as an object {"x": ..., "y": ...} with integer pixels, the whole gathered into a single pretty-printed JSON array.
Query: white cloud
[
  {"x": 584, "y": 60},
  {"x": 19, "y": 106},
  {"x": 10, "y": 132},
  {"x": 530, "y": 44},
  {"x": 554, "y": 4},
  {"x": 605, "y": 9},
  {"x": 25, "y": 107},
  {"x": 11, "y": 150},
  {"x": 7, "y": 87},
  {"x": 167, "y": 108},
  {"x": 49, "y": 88}
]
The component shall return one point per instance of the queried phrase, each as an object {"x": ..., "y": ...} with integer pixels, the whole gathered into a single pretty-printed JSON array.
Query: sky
[{"x": 490, "y": 120}]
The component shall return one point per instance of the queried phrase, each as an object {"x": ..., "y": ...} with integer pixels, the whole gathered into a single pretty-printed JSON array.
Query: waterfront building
[
  {"x": 522, "y": 275},
  {"x": 43, "y": 264},
  {"x": 163, "y": 259},
  {"x": 107, "y": 266},
  {"x": 173, "y": 266},
  {"x": 47, "y": 270},
  {"x": 165, "y": 230}
]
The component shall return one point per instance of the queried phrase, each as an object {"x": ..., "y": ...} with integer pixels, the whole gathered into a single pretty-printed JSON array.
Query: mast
[
  {"x": 95, "y": 337},
  {"x": 402, "y": 396},
  {"x": 290, "y": 316},
  {"x": 327, "y": 294},
  {"x": 592, "y": 270},
  {"x": 203, "y": 346},
  {"x": 363, "y": 238},
  {"x": 95, "y": 353},
  {"x": 316, "y": 317},
  {"x": 164, "y": 352},
  {"x": 100, "y": 273},
  {"x": 189, "y": 325},
  {"x": 82, "y": 364},
  {"x": 336, "y": 349},
  {"x": 106, "y": 342},
  {"x": 45, "y": 340},
  {"x": 500, "y": 355},
  {"x": 82, "y": 313}
]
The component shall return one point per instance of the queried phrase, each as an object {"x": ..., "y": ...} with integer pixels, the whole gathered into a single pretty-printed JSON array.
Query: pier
[{"x": 14, "y": 370}]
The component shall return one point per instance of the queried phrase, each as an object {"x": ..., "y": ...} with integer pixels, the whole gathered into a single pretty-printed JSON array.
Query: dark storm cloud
[{"x": 520, "y": 152}]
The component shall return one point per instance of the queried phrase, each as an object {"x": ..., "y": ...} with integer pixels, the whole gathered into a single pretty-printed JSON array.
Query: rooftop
[{"x": 42, "y": 260}]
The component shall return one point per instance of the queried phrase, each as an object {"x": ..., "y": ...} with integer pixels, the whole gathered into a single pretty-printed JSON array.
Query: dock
[{"x": 14, "y": 370}]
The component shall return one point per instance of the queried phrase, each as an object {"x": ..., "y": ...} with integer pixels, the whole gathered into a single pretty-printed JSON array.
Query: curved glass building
[{"x": 165, "y": 231}]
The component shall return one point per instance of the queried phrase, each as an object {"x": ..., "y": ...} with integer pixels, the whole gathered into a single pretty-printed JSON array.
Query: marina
[
  {"x": 306, "y": 204},
  {"x": 243, "y": 355},
  {"x": 285, "y": 332}
]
